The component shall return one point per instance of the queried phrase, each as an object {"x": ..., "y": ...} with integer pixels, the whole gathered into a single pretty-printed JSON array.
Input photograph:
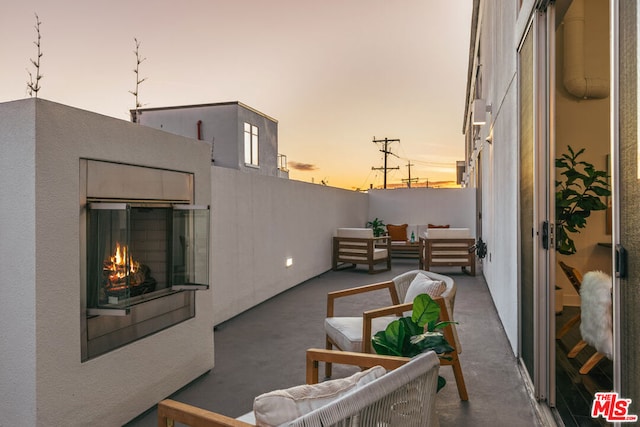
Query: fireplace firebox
[
  {"x": 146, "y": 250},
  {"x": 137, "y": 252}
]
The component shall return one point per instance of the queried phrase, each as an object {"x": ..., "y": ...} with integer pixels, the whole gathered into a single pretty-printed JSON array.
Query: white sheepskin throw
[{"x": 596, "y": 323}]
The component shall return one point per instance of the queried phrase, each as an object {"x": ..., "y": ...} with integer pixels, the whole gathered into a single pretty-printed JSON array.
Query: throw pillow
[
  {"x": 423, "y": 284},
  {"x": 282, "y": 406},
  {"x": 397, "y": 232},
  {"x": 438, "y": 226}
]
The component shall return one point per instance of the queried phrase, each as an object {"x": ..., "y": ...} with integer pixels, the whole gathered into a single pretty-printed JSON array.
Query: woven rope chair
[{"x": 405, "y": 396}]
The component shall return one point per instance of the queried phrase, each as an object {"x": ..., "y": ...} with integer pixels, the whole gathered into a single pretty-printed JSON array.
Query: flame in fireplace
[{"x": 117, "y": 265}]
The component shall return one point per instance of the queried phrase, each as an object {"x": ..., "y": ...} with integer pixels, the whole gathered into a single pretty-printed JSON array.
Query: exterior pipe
[
  {"x": 575, "y": 80},
  {"x": 199, "y": 129}
]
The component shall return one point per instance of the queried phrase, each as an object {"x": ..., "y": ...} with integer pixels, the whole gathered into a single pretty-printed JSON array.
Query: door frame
[{"x": 614, "y": 109}]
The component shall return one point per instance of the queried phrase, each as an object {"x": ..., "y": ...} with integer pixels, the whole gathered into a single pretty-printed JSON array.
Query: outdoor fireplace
[{"x": 147, "y": 248}]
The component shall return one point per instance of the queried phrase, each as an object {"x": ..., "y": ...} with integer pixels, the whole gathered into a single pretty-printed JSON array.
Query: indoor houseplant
[{"x": 579, "y": 190}]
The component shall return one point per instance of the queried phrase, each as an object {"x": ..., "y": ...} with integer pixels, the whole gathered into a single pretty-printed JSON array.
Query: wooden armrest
[
  {"x": 332, "y": 296},
  {"x": 398, "y": 309},
  {"x": 170, "y": 411},
  {"x": 369, "y": 315},
  {"x": 363, "y": 360},
  {"x": 386, "y": 311}
]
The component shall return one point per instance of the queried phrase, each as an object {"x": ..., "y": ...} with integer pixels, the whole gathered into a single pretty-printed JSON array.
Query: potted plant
[
  {"x": 410, "y": 336},
  {"x": 578, "y": 192},
  {"x": 378, "y": 227}
]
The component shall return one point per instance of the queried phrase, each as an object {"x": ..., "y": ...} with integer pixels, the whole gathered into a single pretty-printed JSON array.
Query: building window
[{"x": 250, "y": 144}]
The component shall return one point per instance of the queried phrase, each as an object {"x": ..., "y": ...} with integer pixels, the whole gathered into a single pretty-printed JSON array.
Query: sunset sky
[{"x": 334, "y": 73}]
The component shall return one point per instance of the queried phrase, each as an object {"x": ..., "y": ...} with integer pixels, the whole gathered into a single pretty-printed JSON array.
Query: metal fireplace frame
[{"x": 107, "y": 182}]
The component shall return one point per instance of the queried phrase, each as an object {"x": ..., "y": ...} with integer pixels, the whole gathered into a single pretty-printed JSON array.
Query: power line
[
  {"x": 428, "y": 163},
  {"x": 386, "y": 152}
]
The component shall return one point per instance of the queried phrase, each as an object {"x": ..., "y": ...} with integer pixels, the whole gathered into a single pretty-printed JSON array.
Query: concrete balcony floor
[{"x": 263, "y": 349}]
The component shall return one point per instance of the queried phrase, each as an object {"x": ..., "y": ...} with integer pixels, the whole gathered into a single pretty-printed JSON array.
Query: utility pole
[
  {"x": 386, "y": 152},
  {"x": 410, "y": 180}
]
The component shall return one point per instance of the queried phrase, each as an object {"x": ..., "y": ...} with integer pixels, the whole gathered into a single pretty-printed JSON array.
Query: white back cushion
[
  {"x": 355, "y": 232},
  {"x": 422, "y": 284},
  {"x": 281, "y": 406},
  {"x": 448, "y": 233}
]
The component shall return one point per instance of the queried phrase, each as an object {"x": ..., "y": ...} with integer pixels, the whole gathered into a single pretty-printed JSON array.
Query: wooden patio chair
[
  {"x": 346, "y": 333},
  {"x": 354, "y": 246},
  {"x": 575, "y": 278},
  {"x": 448, "y": 247}
]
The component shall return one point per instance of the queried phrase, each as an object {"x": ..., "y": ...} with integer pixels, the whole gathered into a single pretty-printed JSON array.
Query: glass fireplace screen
[{"x": 135, "y": 253}]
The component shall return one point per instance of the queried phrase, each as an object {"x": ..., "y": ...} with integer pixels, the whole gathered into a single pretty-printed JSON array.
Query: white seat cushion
[
  {"x": 355, "y": 255},
  {"x": 282, "y": 406},
  {"x": 346, "y": 332},
  {"x": 379, "y": 253}
]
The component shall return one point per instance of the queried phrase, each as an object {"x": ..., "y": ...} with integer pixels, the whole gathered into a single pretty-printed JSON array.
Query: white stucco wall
[
  {"x": 499, "y": 160},
  {"x": 420, "y": 206},
  {"x": 500, "y": 216},
  {"x": 42, "y": 378},
  {"x": 258, "y": 222},
  {"x": 17, "y": 269}
]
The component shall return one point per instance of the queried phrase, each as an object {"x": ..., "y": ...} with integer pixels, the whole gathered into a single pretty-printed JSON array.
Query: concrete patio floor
[{"x": 263, "y": 349}]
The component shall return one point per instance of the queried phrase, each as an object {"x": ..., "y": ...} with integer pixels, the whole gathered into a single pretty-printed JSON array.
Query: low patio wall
[
  {"x": 453, "y": 206},
  {"x": 258, "y": 222}
]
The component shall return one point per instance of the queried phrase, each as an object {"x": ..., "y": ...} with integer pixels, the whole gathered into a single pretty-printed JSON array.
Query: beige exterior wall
[{"x": 495, "y": 81}]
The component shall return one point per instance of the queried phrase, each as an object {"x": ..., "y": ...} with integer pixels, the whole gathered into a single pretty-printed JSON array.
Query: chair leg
[
  {"x": 567, "y": 326},
  {"x": 593, "y": 361},
  {"x": 577, "y": 349},
  {"x": 457, "y": 373},
  {"x": 327, "y": 365}
]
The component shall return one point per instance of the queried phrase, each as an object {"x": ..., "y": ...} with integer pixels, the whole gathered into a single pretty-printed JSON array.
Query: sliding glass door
[{"x": 535, "y": 60}]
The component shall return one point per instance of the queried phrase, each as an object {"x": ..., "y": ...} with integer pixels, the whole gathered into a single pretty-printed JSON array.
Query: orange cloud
[{"x": 302, "y": 166}]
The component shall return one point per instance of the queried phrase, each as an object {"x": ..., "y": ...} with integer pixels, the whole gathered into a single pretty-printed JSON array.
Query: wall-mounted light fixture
[
  {"x": 288, "y": 262},
  {"x": 489, "y": 137},
  {"x": 480, "y": 110}
]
